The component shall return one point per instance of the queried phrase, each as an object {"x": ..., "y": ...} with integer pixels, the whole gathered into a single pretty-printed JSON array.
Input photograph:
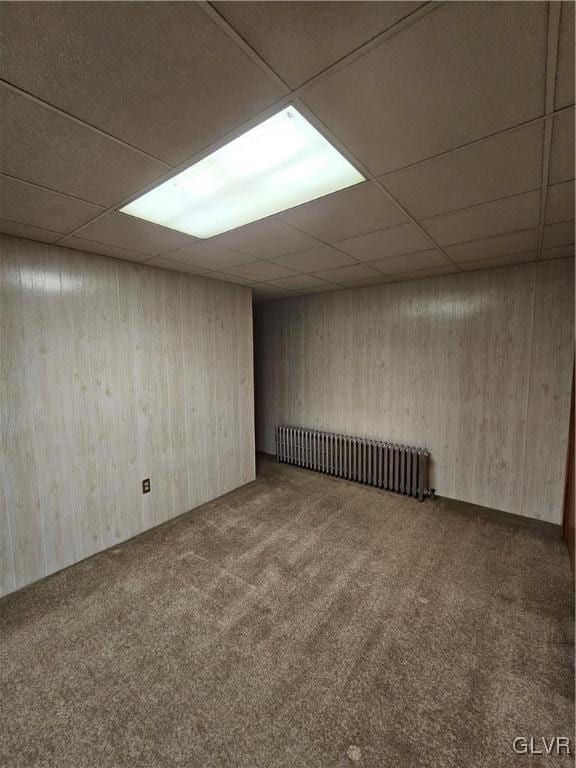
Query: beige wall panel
[
  {"x": 550, "y": 390},
  {"x": 47, "y": 367},
  {"x": 245, "y": 435},
  {"x": 113, "y": 372},
  {"x": 441, "y": 362},
  {"x": 198, "y": 449},
  {"x": 22, "y": 529},
  {"x": 149, "y": 299}
]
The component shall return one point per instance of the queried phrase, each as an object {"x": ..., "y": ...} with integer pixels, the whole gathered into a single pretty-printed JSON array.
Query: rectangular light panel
[{"x": 280, "y": 163}]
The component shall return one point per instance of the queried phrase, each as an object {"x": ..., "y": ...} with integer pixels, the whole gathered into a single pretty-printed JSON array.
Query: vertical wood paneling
[
  {"x": 198, "y": 446},
  {"x": 22, "y": 528},
  {"x": 548, "y": 415},
  {"x": 245, "y": 431},
  {"x": 476, "y": 367},
  {"x": 48, "y": 392},
  {"x": 112, "y": 372},
  {"x": 127, "y": 451}
]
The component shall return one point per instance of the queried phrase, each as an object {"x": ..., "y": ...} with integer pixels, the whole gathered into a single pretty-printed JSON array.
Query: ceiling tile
[
  {"x": 299, "y": 40},
  {"x": 209, "y": 255},
  {"x": 565, "y": 66},
  {"x": 369, "y": 281},
  {"x": 510, "y": 214},
  {"x": 227, "y": 278},
  {"x": 409, "y": 262},
  {"x": 162, "y": 263},
  {"x": 562, "y": 151},
  {"x": 558, "y": 234},
  {"x": 499, "y": 261},
  {"x": 446, "y": 269},
  {"x": 492, "y": 247},
  {"x": 266, "y": 239},
  {"x": 558, "y": 252},
  {"x": 218, "y": 278},
  {"x": 103, "y": 249},
  {"x": 262, "y": 289},
  {"x": 353, "y": 211},
  {"x": 346, "y": 274},
  {"x": 37, "y": 207},
  {"x": 298, "y": 282},
  {"x": 161, "y": 76},
  {"x": 462, "y": 72},
  {"x": 28, "y": 233},
  {"x": 323, "y": 288},
  {"x": 260, "y": 271},
  {"x": 133, "y": 234},
  {"x": 386, "y": 242},
  {"x": 500, "y": 166},
  {"x": 44, "y": 147},
  {"x": 560, "y": 202},
  {"x": 315, "y": 259}
]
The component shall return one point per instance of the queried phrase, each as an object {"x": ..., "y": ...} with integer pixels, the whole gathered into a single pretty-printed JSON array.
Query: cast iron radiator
[{"x": 399, "y": 468}]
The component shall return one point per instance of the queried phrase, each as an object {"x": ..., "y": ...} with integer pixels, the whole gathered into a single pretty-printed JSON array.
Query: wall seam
[
  {"x": 189, "y": 502},
  {"x": 34, "y": 446},
  {"x": 528, "y": 384}
]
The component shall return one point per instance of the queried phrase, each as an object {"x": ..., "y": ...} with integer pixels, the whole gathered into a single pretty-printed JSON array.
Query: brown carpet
[{"x": 298, "y": 621}]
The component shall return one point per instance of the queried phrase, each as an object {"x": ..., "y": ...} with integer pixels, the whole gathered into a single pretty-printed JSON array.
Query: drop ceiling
[{"x": 460, "y": 116}]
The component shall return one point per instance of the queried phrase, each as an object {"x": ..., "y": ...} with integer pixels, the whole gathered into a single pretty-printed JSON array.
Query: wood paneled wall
[
  {"x": 113, "y": 372},
  {"x": 474, "y": 366}
]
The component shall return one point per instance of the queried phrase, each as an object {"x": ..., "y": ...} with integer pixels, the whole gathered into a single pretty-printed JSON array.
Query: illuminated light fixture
[{"x": 280, "y": 163}]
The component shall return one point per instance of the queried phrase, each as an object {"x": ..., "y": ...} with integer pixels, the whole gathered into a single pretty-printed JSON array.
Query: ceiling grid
[{"x": 484, "y": 187}]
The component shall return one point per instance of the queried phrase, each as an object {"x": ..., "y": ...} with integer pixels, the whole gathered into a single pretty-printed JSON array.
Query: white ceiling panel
[
  {"x": 103, "y": 249},
  {"x": 562, "y": 152},
  {"x": 325, "y": 287},
  {"x": 123, "y": 231},
  {"x": 210, "y": 256},
  {"x": 315, "y": 259},
  {"x": 348, "y": 274},
  {"x": 299, "y": 40},
  {"x": 28, "y": 233},
  {"x": 227, "y": 278},
  {"x": 565, "y": 67},
  {"x": 465, "y": 71},
  {"x": 174, "y": 266},
  {"x": 41, "y": 208},
  {"x": 558, "y": 252},
  {"x": 298, "y": 282},
  {"x": 354, "y": 211},
  {"x": 445, "y": 269},
  {"x": 266, "y": 239},
  {"x": 184, "y": 81},
  {"x": 369, "y": 281},
  {"x": 558, "y": 234},
  {"x": 560, "y": 202},
  {"x": 497, "y": 167},
  {"x": 387, "y": 242},
  {"x": 510, "y": 214},
  {"x": 409, "y": 262},
  {"x": 493, "y": 247},
  {"x": 498, "y": 261},
  {"x": 44, "y": 147},
  {"x": 261, "y": 271}
]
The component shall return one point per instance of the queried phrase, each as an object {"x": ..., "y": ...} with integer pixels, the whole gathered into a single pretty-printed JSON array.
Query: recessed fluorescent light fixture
[{"x": 280, "y": 163}]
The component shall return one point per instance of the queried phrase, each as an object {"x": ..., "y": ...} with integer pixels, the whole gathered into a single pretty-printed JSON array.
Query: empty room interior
[{"x": 286, "y": 384}]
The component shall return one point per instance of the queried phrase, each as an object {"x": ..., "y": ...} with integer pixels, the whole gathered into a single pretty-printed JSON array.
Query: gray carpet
[{"x": 298, "y": 621}]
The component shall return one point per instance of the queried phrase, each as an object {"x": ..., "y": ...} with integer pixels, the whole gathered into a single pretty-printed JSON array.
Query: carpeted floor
[{"x": 298, "y": 621}]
